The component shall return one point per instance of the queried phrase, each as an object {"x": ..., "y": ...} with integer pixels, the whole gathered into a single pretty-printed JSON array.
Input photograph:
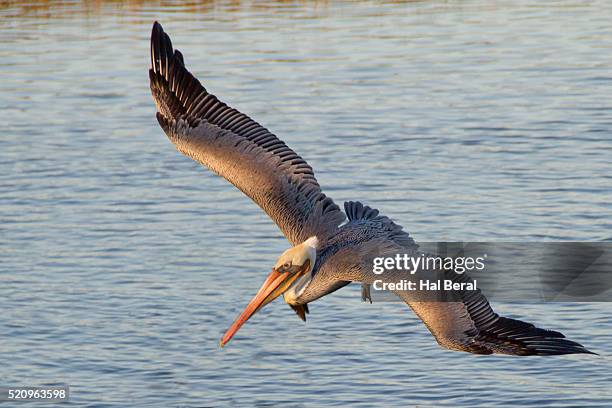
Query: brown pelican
[{"x": 327, "y": 253}]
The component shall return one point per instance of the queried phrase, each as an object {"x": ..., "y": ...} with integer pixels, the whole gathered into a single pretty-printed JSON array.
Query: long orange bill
[{"x": 276, "y": 283}]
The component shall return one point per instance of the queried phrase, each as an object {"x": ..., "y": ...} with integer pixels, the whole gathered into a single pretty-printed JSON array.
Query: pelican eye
[{"x": 284, "y": 267}]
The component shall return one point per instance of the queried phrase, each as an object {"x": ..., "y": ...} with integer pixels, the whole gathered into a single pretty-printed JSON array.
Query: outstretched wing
[
  {"x": 237, "y": 148},
  {"x": 467, "y": 323},
  {"x": 471, "y": 325}
]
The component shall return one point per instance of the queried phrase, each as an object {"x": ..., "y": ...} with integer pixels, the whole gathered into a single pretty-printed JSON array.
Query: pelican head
[{"x": 290, "y": 275}]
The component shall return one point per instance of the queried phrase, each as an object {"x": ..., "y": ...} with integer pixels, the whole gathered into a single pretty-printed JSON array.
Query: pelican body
[{"x": 330, "y": 247}]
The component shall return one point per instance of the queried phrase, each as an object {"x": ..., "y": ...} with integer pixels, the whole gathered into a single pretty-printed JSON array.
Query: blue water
[{"x": 123, "y": 262}]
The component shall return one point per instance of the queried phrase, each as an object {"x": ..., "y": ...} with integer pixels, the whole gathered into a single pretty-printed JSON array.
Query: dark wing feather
[
  {"x": 491, "y": 333},
  {"x": 237, "y": 148},
  {"x": 471, "y": 325}
]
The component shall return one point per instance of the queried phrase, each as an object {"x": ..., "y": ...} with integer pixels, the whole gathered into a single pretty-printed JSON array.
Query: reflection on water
[
  {"x": 123, "y": 261},
  {"x": 44, "y": 9}
]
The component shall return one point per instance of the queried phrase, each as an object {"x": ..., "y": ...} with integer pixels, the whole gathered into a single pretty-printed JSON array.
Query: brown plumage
[{"x": 284, "y": 186}]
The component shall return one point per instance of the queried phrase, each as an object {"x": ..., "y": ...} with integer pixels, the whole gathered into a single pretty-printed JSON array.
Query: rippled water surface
[{"x": 122, "y": 261}]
